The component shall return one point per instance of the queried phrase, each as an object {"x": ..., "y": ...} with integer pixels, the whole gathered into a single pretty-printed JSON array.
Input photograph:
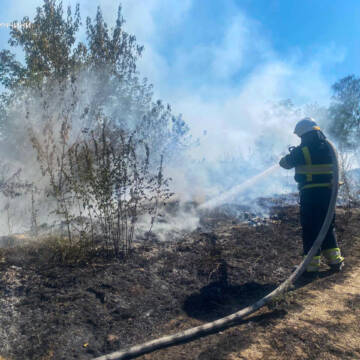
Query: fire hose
[{"x": 217, "y": 325}]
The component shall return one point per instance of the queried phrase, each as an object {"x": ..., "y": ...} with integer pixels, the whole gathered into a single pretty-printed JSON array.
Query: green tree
[
  {"x": 59, "y": 98},
  {"x": 344, "y": 111},
  {"x": 48, "y": 45},
  {"x": 106, "y": 62}
]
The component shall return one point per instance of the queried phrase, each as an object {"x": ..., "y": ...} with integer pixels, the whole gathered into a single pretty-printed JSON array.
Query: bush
[{"x": 99, "y": 138}]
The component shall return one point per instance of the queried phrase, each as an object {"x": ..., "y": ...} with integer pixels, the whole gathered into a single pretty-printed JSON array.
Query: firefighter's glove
[{"x": 284, "y": 162}]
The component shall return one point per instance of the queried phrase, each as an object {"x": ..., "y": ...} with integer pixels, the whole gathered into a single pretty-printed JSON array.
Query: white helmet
[{"x": 305, "y": 125}]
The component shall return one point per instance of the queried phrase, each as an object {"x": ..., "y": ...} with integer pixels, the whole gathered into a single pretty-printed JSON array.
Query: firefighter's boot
[
  {"x": 312, "y": 269},
  {"x": 334, "y": 259}
]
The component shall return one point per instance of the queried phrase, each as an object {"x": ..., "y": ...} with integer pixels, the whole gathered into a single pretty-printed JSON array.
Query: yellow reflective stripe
[
  {"x": 323, "y": 165},
  {"x": 336, "y": 260},
  {"x": 314, "y": 169},
  {"x": 333, "y": 256},
  {"x": 307, "y": 158},
  {"x": 331, "y": 251},
  {"x": 309, "y": 186},
  {"x": 314, "y": 264},
  {"x": 313, "y": 172}
]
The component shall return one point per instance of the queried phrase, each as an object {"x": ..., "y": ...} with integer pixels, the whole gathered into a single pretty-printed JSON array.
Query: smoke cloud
[{"x": 230, "y": 90}]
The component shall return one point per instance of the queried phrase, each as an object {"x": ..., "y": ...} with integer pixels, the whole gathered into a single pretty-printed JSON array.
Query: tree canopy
[
  {"x": 103, "y": 65},
  {"x": 51, "y": 48},
  {"x": 344, "y": 111},
  {"x": 77, "y": 110}
]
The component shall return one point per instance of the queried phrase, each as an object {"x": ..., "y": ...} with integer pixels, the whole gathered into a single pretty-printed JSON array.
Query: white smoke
[{"x": 228, "y": 91}]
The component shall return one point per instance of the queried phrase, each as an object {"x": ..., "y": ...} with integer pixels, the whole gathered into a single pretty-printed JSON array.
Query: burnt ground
[{"x": 50, "y": 310}]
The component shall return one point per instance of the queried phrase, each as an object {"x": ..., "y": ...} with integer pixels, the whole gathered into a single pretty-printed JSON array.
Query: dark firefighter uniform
[{"x": 313, "y": 173}]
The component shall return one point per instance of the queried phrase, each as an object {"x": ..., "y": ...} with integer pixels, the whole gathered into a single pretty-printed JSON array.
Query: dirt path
[
  {"x": 318, "y": 321},
  {"x": 328, "y": 327}
]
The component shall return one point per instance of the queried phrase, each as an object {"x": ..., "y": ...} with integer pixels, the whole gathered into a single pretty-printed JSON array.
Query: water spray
[{"x": 221, "y": 199}]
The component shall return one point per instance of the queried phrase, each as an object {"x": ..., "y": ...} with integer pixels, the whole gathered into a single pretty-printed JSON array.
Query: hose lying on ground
[{"x": 216, "y": 325}]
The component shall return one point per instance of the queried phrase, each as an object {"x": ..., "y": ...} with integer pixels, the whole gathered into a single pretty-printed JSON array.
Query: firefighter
[{"x": 313, "y": 172}]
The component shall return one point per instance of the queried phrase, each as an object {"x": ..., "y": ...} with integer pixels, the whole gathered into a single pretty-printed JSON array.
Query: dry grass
[
  {"x": 327, "y": 328},
  {"x": 164, "y": 287}
]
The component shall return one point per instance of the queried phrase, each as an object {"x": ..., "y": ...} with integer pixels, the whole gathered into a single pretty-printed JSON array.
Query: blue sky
[
  {"x": 220, "y": 62},
  {"x": 309, "y": 25}
]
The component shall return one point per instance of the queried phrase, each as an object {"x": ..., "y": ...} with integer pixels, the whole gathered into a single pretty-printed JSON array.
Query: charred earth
[{"x": 80, "y": 310}]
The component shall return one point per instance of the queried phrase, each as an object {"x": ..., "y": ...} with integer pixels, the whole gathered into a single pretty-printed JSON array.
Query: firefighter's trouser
[{"x": 314, "y": 204}]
